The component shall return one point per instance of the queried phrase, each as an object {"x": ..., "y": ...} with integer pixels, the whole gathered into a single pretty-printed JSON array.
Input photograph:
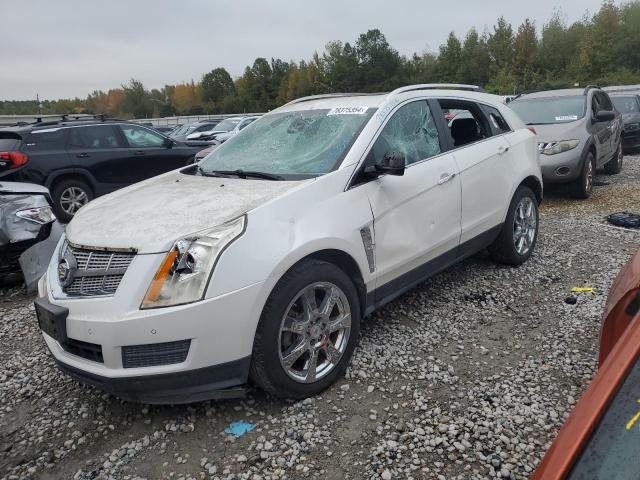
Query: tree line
[{"x": 602, "y": 49}]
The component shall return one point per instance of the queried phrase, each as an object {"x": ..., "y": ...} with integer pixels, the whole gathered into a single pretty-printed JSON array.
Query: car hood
[
  {"x": 560, "y": 131},
  {"x": 149, "y": 216},
  {"x": 628, "y": 118}
]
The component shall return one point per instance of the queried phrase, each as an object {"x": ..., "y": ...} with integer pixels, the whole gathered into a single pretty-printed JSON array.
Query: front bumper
[
  {"x": 219, "y": 332},
  {"x": 562, "y": 167}
]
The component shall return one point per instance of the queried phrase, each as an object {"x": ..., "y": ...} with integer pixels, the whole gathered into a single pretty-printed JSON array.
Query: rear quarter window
[
  {"x": 54, "y": 139},
  {"x": 497, "y": 121},
  {"x": 9, "y": 141}
]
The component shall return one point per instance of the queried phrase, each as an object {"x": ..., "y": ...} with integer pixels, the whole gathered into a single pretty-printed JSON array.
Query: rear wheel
[
  {"x": 307, "y": 332},
  {"x": 614, "y": 165},
  {"x": 69, "y": 196},
  {"x": 518, "y": 236},
  {"x": 583, "y": 185}
]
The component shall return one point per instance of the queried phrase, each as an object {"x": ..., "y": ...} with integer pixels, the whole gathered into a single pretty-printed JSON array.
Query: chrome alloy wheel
[
  {"x": 525, "y": 224},
  {"x": 588, "y": 178},
  {"x": 314, "y": 332},
  {"x": 72, "y": 198}
]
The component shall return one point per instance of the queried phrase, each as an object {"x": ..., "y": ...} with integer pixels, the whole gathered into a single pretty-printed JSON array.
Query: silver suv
[{"x": 578, "y": 131}]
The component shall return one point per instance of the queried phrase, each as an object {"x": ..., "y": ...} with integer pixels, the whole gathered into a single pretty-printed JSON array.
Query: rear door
[
  {"x": 417, "y": 215},
  {"x": 100, "y": 150},
  {"x": 47, "y": 154},
  {"x": 151, "y": 154},
  {"x": 486, "y": 166},
  {"x": 602, "y": 130}
]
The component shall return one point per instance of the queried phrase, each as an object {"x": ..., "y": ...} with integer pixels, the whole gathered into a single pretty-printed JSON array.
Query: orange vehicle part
[
  {"x": 575, "y": 433},
  {"x": 622, "y": 305}
]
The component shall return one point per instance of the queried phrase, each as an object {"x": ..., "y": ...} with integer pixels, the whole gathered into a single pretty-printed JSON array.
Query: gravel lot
[{"x": 469, "y": 375}]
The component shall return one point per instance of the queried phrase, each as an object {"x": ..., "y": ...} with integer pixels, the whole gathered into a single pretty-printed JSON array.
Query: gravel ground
[{"x": 469, "y": 375}]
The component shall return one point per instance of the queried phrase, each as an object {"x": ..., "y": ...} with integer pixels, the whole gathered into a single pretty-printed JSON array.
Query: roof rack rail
[
  {"x": 589, "y": 87},
  {"x": 329, "y": 95},
  {"x": 621, "y": 88},
  {"x": 437, "y": 86}
]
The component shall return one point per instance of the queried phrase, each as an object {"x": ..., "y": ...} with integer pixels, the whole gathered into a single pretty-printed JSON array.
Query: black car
[
  {"x": 79, "y": 160},
  {"x": 629, "y": 105}
]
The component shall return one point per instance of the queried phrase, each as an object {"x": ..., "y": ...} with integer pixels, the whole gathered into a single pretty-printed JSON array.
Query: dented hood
[{"x": 149, "y": 216}]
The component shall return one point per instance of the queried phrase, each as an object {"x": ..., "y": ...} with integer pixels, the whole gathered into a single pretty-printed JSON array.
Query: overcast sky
[{"x": 69, "y": 48}]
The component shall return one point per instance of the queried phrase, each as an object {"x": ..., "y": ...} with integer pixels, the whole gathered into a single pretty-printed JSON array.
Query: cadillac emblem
[{"x": 66, "y": 266}]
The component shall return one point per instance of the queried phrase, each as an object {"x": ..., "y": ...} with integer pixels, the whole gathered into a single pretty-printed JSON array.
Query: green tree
[
  {"x": 135, "y": 101},
  {"x": 380, "y": 65},
  {"x": 598, "y": 52},
  {"x": 525, "y": 49},
  {"x": 474, "y": 60},
  {"x": 217, "y": 84},
  {"x": 500, "y": 44},
  {"x": 449, "y": 59},
  {"x": 341, "y": 68}
]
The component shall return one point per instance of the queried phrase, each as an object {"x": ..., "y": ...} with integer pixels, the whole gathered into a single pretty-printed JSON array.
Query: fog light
[{"x": 562, "y": 171}]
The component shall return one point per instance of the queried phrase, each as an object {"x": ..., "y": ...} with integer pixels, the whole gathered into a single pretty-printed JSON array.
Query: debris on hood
[{"x": 624, "y": 219}]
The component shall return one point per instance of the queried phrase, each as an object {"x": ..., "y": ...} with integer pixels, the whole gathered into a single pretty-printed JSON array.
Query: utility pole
[{"x": 39, "y": 104}]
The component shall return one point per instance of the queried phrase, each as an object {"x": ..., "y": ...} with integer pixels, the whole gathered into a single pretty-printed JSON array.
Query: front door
[
  {"x": 417, "y": 215},
  {"x": 150, "y": 154}
]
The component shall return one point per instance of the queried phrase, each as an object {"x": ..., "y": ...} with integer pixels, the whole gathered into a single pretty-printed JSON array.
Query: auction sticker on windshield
[
  {"x": 348, "y": 111},
  {"x": 564, "y": 118}
]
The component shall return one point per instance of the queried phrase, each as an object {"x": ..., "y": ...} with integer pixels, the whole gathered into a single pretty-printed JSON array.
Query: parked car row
[{"x": 79, "y": 160}]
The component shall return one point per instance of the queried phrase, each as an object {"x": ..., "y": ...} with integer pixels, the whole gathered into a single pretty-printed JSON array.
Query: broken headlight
[
  {"x": 184, "y": 274},
  {"x": 41, "y": 215},
  {"x": 553, "y": 148}
]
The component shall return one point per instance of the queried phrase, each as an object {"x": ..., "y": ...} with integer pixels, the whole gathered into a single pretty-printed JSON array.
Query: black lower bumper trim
[{"x": 216, "y": 382}]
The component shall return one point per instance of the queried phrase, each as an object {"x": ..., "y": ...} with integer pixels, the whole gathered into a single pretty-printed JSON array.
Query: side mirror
[
  {"x": 169, "y": 143},
  {"x": 605, "y": 116},
  {"x": 393, "y": 163}
]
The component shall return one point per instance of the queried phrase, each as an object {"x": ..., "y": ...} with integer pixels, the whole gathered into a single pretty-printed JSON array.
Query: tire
[
  {"x": 583, "y": 185},
  {"x": 64, "y": 194},
  {"x": 509, "y": 247},
  {"x": 614, "y": 165},
  {"x": 272, "y": 345}
]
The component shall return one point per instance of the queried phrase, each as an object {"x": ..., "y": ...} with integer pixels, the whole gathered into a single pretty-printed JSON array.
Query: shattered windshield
[
  {"x": 540, "y": 111},
  {"x": 299, "y": 144}
]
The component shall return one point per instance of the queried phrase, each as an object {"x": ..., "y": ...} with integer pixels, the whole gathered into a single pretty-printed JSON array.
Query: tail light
[
  {"x": 532, "y": 130},
  {"x": 16, "y": 159}
]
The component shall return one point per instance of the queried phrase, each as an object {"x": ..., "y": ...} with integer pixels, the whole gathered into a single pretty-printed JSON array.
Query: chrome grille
[{"x": 95, "y": 272}]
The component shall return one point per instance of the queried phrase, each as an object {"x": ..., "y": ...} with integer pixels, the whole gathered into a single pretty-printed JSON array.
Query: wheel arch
[
  {"x": 69, "y": 174},
  {"x": 341, "y": 259},
  {"x": 535, "y": 185}
]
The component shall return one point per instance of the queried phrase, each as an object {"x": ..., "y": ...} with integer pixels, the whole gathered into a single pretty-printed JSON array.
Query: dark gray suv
[{"x": 578, "y": 130}]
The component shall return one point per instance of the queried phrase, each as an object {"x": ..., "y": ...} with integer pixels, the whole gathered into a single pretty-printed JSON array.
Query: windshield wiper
[{"x": 240, "y": 174}]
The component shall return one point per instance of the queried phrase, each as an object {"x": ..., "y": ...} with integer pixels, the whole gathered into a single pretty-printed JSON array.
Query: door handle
[
  {"x": 82, "y": 155},
  {"x": 445, "y": 177},
  {"x": 502, "y": 150},
  {"x": 138, "y": 153}
]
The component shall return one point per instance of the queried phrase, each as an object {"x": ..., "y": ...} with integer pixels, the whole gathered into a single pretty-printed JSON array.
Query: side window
[
  {"x": 140, "y": 137},
  {"x": 498, "y": 123},
  {"x": 54, "y": 139},
  {"x": 466, "y": 121},
  {"x": 246, "y": 123},
  {"x": 605, "y": 101},
  {"x": 595, "y": 104},
  {"x": 411, "y": 131},
  {"x": 95, "y": 136},
  {"x": 203, "y": 128}
]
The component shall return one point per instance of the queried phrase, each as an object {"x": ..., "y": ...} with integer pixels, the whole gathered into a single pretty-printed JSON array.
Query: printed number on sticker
[{"x": 347, "y": 111}]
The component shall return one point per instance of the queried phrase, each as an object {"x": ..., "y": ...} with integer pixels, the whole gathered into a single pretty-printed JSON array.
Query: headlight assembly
[
  {"x": 40, "y": 215},
  {"x": 184, "y": 274},
  {"x": 553, "y": 148}
]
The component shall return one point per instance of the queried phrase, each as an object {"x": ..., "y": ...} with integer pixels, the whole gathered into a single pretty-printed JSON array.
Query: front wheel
[
  {"x": 307, "y": 332},
  {"x": 614, "y": 165},
  {"x": 518, "y": 236},
  {"x": 69, "y": 196},
  {"x": 583, "y": 185}
]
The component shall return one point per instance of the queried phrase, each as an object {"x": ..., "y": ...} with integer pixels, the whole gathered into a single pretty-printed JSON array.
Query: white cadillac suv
[{"x": 259, "y": 263}]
